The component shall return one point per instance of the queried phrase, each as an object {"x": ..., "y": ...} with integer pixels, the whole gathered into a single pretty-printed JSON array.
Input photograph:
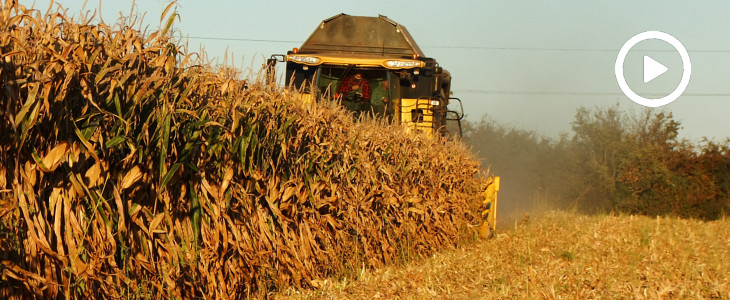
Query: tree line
[{"x": 611, "y": 161}]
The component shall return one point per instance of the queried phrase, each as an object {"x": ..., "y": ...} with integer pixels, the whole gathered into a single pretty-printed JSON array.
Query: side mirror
[
  {"x": 271, "y": 67},
  {"x": 458, "y": 110},
  {"x": 456, "y": 115},
  {"x": 271, "y": 62}
]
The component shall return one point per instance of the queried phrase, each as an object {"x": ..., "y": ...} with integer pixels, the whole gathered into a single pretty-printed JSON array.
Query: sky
[{"x": 527, "y": 64}]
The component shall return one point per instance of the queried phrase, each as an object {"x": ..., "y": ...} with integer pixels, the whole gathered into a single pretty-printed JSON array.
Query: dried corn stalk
[{"x": 131, "y": 169}]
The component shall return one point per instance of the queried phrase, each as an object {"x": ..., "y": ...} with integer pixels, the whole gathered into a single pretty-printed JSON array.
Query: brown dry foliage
[
  {"x": 129, "y": 169},
  {"x": 561, "y": 256}
]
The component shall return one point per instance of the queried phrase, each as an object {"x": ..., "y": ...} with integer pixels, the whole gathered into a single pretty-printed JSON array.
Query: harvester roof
[{"x": 347, "y": 34}]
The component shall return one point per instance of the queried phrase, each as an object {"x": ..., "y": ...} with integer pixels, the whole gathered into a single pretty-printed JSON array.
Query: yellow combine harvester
[
  {"x": 372, "y": 65},
  {"x": 382, "y": 51}
]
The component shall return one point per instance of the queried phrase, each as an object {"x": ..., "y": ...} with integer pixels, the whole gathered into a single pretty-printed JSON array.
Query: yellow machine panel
[
  {"x": 417, "y": 115},
  {"x": 489, "y": 214}
]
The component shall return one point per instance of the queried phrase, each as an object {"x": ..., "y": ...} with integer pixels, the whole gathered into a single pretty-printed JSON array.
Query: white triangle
[{"x": 652, "y": 69}]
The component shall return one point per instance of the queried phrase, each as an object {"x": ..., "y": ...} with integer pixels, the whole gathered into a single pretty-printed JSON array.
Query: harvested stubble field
[{"x": 561, "y": 256}]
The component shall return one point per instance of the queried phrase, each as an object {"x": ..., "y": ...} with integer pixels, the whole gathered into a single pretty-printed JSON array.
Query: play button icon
[{"x": 652, "y": 69}]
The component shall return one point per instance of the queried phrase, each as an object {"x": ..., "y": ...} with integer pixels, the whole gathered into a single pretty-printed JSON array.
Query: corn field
[{"x": 129, "y": 168}]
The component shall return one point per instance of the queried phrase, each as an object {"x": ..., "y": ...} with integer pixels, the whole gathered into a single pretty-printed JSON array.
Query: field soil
[{"x": 559, "y": 255}]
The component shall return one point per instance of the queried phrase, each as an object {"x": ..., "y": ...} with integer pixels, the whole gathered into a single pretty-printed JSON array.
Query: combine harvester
[{"x": 416, "y": 89}]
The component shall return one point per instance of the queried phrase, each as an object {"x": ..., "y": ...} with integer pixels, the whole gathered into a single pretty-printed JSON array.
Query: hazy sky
[{"x": 524, "y": 63}]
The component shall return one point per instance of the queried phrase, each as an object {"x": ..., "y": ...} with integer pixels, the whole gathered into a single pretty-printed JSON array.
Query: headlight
[
  {"x": 435, "y": 103},
  {"x": 400, "y": 64},
  {"x": 310, "y": 60}
]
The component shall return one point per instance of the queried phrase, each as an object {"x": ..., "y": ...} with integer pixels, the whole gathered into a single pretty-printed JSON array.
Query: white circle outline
[{"x": 619, "y": 68}]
